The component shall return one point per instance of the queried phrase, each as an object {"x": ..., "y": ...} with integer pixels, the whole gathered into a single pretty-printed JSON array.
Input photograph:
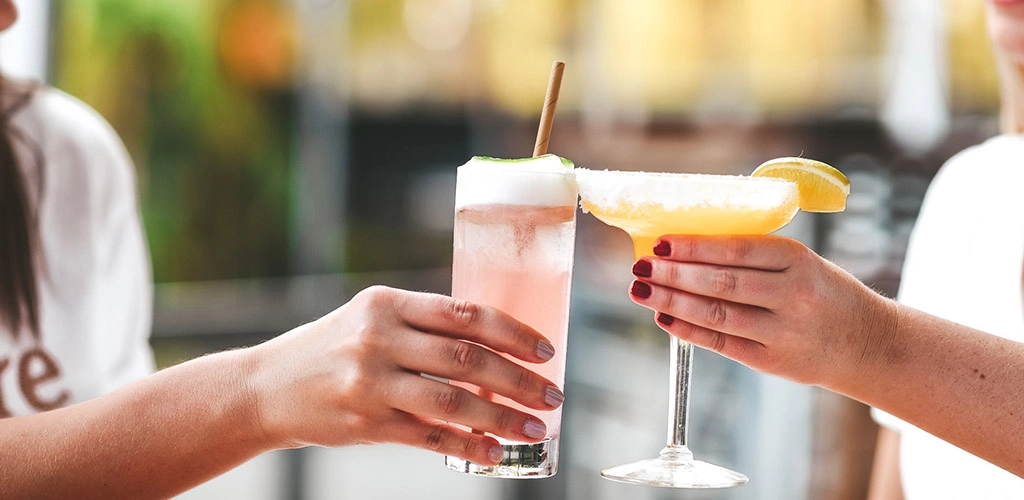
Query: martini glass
[{"x": 648, "y": 205}]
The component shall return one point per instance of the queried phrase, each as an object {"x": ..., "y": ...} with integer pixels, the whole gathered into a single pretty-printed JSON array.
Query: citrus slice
[
  {"x": 542, "y": 162},
  {"x": 822, "y": 188}
]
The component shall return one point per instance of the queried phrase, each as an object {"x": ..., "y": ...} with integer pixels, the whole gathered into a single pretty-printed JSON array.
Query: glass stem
[{"x": 679, "y": 387}]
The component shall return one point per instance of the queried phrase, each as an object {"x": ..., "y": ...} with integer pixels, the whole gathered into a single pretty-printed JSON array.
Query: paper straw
[{"x": 547, "y": 114}]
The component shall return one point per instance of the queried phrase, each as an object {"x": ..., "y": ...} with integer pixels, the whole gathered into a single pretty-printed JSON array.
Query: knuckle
[
  {"x": 359, "y": 383},
  {"x": 718, "y": 341},
  {"x": 672, "y": 272},
  {"x": 362, "y": 426},
  {"x": 796, "y": 253},
  {"x": 516, "y": 334},
  {"x": 685, "y": 250},
  {"x": 450, "y": 401},
  {"x": 377, "y": 295},
  {"x": 804, "y": 297},
  {"x": 504, "y": 419},
  {"x": 434, "y": 439},
  {"x": 716, "y": 314},
  {"x": 687, "y": 332},
  {"x": 470, "y": 448},
  {"x": 462, "y": 312},
  {"x": 797, "y": 247},
  {"x": 366, "y": 344},
  {"x": 671, "y": 302},
  {"x": 737, "y": 249},
  {"x": 369, "y": 334},
  {"x": 524, "y": 382},
  {"x": 682, "y": 329},
  {"x": 723, "y": 282},
  {"x": 467, "y": 356}
]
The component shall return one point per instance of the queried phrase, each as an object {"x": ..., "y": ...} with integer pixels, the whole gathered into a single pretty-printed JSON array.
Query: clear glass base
[
  {"x": 675, "y": 468},
  {"x": 522, "y": 461}
]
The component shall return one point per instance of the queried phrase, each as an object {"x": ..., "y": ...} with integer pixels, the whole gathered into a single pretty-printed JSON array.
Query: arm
[
  {"x": 885, "y": 472},
  {"x": 151, "y": 439},
  {"x": 351, "y": 377},
  {"x": 774, "y": 305}
]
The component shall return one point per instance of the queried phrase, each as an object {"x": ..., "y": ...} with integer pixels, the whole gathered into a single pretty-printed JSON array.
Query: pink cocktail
[{"x": 515, "y": 226}]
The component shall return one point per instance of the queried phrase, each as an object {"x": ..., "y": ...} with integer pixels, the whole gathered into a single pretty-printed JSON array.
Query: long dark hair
[{"x": 19, "y": 224}]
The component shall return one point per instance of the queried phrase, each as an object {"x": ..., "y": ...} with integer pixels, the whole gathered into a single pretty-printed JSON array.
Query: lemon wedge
[{"x": 822, "y": 188}]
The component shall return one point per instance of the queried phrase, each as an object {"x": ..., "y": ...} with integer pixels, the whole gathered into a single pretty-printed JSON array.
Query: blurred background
[{"x": 292, "y": 152}]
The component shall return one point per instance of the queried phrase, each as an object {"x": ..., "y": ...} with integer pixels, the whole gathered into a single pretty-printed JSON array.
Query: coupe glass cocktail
[{"x": 647, "y": 205}]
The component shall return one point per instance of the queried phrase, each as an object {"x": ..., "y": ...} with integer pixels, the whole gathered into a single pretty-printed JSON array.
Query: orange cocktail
[{"x": 648, "y": 205}]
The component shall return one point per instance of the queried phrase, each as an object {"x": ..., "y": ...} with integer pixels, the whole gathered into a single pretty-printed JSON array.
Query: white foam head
[{"x": 543, "y": 181}]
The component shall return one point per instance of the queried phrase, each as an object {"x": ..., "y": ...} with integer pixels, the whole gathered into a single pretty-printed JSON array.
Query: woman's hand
[
  {"x": 355, "y": 376},
  {"x": 767, "y": 302}
]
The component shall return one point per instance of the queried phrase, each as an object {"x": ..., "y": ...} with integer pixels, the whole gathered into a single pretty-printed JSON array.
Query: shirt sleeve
[
  {"x": 124, "y": 277},
  {"x": 90, "y": 172}
]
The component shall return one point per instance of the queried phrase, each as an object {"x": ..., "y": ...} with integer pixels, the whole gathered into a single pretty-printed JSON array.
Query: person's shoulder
[
  {"x": 984, "y": 166},
  {"x": 73, "y": 137},
  {"x": 86, "y": 166},
  {"x": 59, "y": 117},
  {"x": 993, "y": 155}
]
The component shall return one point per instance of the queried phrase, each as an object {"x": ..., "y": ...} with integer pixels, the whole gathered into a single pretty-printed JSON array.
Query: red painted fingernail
[
  {"x": 640, "y": 290},
  {"x": 662, "y": 249},
  {"x": 642, "y": 268},
  {"x": 665, "y": 319}
]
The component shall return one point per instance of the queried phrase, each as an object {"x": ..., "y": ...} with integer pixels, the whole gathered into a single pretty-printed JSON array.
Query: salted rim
[{"x": 612, "y": 188}]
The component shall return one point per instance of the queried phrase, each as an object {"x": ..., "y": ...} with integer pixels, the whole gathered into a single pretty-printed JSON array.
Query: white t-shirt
[
  {"x": 95, "y": 291},
  {"x": 964, "y": 264}
]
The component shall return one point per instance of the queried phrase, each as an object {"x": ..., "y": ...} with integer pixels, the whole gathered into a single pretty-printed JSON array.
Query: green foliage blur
[{"x": 211, "y": 137}]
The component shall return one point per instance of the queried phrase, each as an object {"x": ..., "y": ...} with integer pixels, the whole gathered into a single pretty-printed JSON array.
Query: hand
[
  {"x": 767, "y": 302},
  {"x": 354, "y": 376}
]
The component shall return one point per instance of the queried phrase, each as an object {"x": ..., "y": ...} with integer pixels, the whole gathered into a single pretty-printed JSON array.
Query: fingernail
[
  {"x": 662, "y": 249},
  {"x": 545, "y": 350},
  {"x": 534, "y": 429},
  {"x": 553, "y": 396},
  {"x": 640, "y": 290},
  {"x": 665, "y": 319},
  {"x": 642, "y": 268},
  {"x": 496, "y": 454}
]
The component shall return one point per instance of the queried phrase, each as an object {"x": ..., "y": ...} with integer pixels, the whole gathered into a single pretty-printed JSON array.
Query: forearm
[
  {"x": 151, "y": 439},
  {"x": 960, "y": 384},
  {"x": 776, "y": 306}
]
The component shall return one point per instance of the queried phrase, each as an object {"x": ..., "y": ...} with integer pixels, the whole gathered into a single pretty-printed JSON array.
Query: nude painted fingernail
[
  {"x": 553, "y": 396},
  {"x": 545, "y": 350},
  {"x": 496, "y": 454},
  {"x": 534, "y": 429}
]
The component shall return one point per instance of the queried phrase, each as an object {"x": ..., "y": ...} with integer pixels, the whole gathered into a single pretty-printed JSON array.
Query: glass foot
[{"x": 675, "y": 468}]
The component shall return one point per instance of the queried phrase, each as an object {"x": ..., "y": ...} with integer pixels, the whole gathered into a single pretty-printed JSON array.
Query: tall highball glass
[{"x": 515, "y": 231}]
